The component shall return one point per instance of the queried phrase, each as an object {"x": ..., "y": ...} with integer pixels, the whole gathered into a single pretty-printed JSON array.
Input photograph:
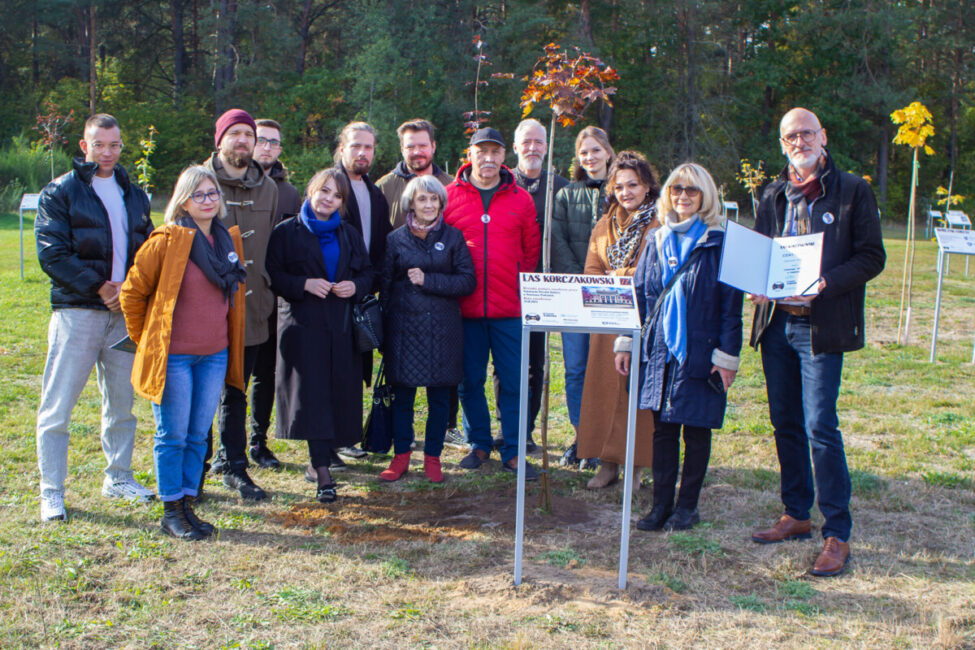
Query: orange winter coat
[{"x": 148, "y": 299}]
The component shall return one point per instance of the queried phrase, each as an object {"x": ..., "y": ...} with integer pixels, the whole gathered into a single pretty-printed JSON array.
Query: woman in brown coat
[
  {"x": 614, "y": 249},
  {"x": 183, "y": 302}
]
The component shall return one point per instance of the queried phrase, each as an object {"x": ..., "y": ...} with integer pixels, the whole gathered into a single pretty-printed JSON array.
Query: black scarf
[{"x": 219, "y": 262}]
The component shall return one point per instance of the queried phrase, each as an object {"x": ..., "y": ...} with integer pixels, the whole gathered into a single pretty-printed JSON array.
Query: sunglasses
[{"x": 689, "y": 190}]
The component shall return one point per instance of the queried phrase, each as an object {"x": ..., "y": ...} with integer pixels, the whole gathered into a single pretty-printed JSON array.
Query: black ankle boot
[
  {"x": 203, "y": 526},
  {"x": 175, "y": 523}
]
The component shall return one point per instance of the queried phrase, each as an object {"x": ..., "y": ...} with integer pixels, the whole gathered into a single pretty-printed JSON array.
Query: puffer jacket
[
  {"x": 148, "y": 300},
  {"x": 251, "y": 205},
  {"x": 713, "y": 320},
  {"x": 393, "y": 184},
  {"x": 853, "y": 253},
  {"x": 74, "y": 236},
  {"x": 503, "y": 242},
  {"x": 578, "y": 206},
  {"x": 424, "y": 343}
]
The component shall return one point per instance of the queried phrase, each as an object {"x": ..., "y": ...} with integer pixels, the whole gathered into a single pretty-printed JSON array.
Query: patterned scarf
[
  {"x": 625, "y": 239},
  {"x": 417, "y": 228}
]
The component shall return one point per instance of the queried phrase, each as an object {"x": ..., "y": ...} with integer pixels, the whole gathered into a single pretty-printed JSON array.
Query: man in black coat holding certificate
[{"x": 803, "y": 338}]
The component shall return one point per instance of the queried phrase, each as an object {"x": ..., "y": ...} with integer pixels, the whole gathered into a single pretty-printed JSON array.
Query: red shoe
[
  {"x": 397, "y": 467},
  {"x": 431, "y": 467}
]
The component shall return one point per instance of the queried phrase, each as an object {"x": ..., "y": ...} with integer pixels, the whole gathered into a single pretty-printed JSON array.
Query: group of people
[{"x": 249, "y": 282}]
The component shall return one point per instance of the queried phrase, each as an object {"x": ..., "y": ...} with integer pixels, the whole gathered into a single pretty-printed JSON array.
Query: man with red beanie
[
  {"x": 251, "y": 199},
  {"x": 498, "y": 221}
]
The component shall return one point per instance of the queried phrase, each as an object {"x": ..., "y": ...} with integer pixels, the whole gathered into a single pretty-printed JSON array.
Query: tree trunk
[
  {"x": 225, "y": 61},
  {"x": 883, "y": 152},
  {"x": 179, "y": 49},
  {"x": 35, "y": 60},
  {"x": 92, "y": 61},
  {"x": 303, "y": 30}
]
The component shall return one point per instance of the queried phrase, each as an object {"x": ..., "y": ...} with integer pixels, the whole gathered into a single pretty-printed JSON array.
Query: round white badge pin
[
  {"x": 439, "y": 246},
  {"x": 485, "y": 218},
  {"x": 232, "y": 257},
  {"x": 828, "y": 218}
]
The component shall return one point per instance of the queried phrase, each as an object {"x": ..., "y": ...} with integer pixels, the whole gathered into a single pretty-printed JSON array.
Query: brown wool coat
[
  {"x": 602, "y": 421},
  {"x": 148, "y": 299}
]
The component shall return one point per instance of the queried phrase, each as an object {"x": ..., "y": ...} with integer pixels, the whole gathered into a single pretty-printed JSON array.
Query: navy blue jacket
[
  {"x": 74, "y": 236},
  {"x": 424, "y": 343},
  {"x": 681, "y": 393}
]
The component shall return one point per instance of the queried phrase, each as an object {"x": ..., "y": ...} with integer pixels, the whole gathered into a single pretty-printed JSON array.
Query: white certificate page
[{"x": 794, "y": 265}]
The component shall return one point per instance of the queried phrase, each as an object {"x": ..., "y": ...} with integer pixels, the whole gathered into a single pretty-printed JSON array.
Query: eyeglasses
[
  {"x": 202, "y": 197},
  {"x": 98, "y": 147},
  {"x": 689, "y": 190},
  {"x": 268, "y": 142},
  {"x": 806, "y": 135}
]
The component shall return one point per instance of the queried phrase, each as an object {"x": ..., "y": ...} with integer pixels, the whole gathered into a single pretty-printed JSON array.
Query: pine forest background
[{"x": 703, "y": 80}]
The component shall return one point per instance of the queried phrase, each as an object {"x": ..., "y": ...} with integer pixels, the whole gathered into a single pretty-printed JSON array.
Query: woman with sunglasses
[
  {"x": 614, "y": 249},
  {"x": 577, "y": 208},
  {"x": 184, "y": 308},
  {"x": 689, "y": 355}
]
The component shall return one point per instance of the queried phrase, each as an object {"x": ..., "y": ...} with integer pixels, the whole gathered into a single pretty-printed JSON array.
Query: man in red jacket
[{"x": 498, "y": 221}]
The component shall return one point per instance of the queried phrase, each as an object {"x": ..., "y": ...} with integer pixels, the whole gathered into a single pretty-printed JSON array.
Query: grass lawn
[{"x": 410, "y": 565}]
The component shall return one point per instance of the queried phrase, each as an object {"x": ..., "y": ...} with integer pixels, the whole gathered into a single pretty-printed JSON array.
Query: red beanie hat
[{"x": 228, "y": 119}]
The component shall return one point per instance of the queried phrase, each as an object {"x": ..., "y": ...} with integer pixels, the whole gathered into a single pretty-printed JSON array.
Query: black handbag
[
  {"x": 377, "y": 433},
  {"x": 367, "y": 319}
]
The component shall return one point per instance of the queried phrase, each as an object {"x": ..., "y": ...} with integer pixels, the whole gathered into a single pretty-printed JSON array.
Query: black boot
[
  {"x": 174, "y": 522},
  {"x": 203, "y": 526},
  {"x": 263, "y": 456}
]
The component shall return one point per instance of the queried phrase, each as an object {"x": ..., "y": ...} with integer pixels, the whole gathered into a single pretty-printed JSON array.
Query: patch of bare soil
[
  {"x": 436, "y": 516},
  {"x": 547, "y": 586}
]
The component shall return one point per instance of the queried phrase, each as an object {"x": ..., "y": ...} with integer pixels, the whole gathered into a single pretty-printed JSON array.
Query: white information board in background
[
  {"x": 954, "y": 240},
  {"x": 584, "y": 301}
]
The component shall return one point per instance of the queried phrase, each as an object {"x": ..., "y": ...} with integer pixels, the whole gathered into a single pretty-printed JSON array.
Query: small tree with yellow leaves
[
  {"x": 752, "y": 178},
  {"x": 915, "y": 129}
]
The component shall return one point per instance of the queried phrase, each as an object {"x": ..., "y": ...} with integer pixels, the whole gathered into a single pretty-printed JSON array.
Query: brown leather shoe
[
  {"x": 833, "y": 559},
  {"x": 784, "y": 529}
]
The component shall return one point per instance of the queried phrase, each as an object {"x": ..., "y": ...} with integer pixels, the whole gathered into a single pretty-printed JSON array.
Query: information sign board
[
  {"x": 953, "y": 240},
  {"x": 567, "y": 300}
]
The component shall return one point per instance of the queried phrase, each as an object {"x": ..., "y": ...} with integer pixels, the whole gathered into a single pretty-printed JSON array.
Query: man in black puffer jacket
[{"x": 90, "y": 223}]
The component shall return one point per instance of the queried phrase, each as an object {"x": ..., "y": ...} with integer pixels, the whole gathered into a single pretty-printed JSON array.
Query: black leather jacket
[{"x": 74, "y": 237}]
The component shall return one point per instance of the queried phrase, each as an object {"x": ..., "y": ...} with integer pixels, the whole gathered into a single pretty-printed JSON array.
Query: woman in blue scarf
[
  {"x": 318, "y": 266},
  {"x": 689, "y": 355}
]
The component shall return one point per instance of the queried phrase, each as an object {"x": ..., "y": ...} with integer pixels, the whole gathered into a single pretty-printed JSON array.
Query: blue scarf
[
  {"x": 673, "y": 311},
  {"x": 327, "y": 233}
]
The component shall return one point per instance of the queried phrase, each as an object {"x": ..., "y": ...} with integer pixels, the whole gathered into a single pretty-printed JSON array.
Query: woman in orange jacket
[{"x": 184, "y": 308}]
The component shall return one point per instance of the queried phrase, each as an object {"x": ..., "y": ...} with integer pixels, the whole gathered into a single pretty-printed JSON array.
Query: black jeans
[
  {"x": 536, "y": 375},
  {"x": 320, "y": 453},
  {"x": 231, "y": 415},
  {"x": 666, "y": 458},
  {"x": 262, "y": 386}
]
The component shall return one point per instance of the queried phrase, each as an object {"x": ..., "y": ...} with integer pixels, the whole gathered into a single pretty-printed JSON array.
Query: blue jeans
[
  {"x": 575, "y": 355},
  {"x": 438, "y": 402},
  {"x": 501, "y": 338},
  {"x": 802, "y": 392},
  {"x": 183, "y": 417}
]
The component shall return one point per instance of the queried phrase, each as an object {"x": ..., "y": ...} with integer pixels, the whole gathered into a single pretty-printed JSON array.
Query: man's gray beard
[
  {"x": 239, "y": 160},
  {"x": 531, "y": 164}
]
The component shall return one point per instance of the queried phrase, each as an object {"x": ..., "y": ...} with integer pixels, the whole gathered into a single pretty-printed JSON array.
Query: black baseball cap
[{"x": 487, "y": 134}]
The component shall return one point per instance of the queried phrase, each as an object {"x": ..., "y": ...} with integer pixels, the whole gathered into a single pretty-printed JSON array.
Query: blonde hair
[
  {"x": 710, "y": 210},
  {"x": 188, "y": 181}
]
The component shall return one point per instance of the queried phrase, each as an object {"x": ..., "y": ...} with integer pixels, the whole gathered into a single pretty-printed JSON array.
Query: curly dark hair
[{"x": 637, "y": 162}]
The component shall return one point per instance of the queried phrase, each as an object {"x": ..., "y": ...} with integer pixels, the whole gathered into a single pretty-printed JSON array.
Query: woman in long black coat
[
  {"x": 426, "y": 270},
  {"x": 319, "y": 266}
]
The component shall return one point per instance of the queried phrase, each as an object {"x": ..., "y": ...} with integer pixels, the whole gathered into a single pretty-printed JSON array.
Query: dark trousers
[
  {"x": 536, "y": 375},
  {"x": 320, "y": 453},
  {"x": 438, "y": 402},
  {"x": 231, "y": 416},
  {"x": 666, "y": 458},
  {"x": 262, "y": 385},
  {"x": 454, "y": 408},
  {"x": 802, "y": 391}
]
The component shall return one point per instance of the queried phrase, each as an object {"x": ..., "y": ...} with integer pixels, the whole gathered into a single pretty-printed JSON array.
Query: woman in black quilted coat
[{"x": 426, "y": 270}]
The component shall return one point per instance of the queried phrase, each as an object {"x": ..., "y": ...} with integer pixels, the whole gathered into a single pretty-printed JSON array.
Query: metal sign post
[
  {"x": 583, "y": 304},
  {"x": 950, "y": 240},
  {"x": 28, "y": 203}
]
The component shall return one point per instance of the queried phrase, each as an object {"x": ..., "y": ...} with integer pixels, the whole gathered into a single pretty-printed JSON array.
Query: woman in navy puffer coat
[
  {"x": 427, "y": 269},
  {"x": 691, "y": 346}
]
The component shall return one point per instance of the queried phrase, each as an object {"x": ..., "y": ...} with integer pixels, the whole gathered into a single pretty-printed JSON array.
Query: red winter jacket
[{"x": 502, "y": 242}]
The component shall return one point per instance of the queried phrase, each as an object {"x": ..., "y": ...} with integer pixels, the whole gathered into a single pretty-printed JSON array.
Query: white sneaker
[
  {"x": 52, "y": 507},
  {"x": 126, "y": 488}
]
